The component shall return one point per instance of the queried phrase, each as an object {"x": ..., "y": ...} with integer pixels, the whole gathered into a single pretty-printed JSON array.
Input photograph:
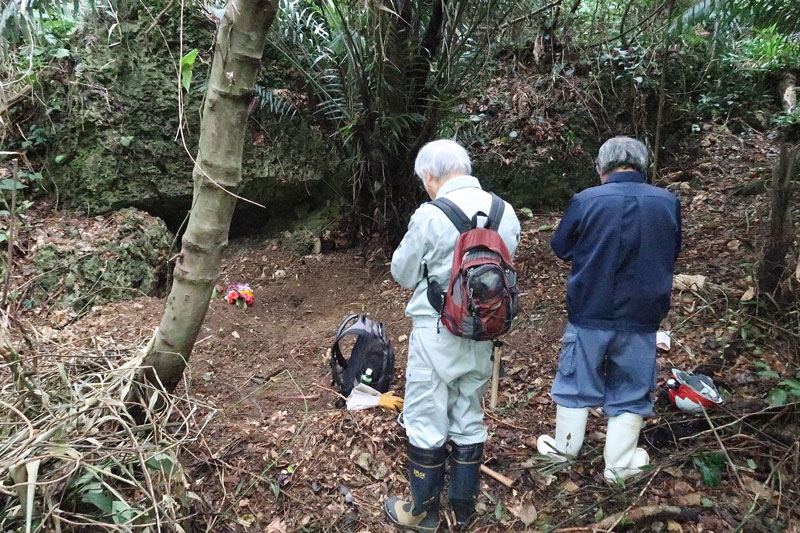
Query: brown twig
[
  {"x": 330, "y": 390},
  {"x": 647, "y": 513},
  {"x": 628, "y": 509},
  {"x": 724, "y": 450},
  {"x": 531, "y": 14}
]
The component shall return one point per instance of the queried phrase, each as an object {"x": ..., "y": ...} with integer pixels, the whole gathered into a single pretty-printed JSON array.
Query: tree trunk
[
  {"x": 240, "y": 41},
  {"x": 661, "y": 96},
  {"x": 773, "y": 267},
  {"x": 787, "y": 92}
]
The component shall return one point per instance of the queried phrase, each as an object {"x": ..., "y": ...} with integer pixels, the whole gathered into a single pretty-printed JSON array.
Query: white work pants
[{"x": 446, "y": 379}]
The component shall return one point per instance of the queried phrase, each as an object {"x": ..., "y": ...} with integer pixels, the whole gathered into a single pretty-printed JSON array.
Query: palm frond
[
  {"x": 783, "y": 14},
  {"x": 276, "y": 104}
]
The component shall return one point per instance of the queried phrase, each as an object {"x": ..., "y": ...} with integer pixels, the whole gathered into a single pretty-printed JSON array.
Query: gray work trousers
[
  {"x": 603, "y": 368},
  {"x": 446, "y": 379}
]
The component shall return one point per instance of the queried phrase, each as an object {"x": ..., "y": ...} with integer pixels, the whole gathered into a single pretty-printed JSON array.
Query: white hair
[
  {"x": 442, "y": 158},
  {"x": 622, "y": 152}
]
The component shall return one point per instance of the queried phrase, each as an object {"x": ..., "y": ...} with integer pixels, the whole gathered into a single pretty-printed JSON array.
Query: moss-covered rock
[
  {"x": 301, "y": 242},
  {"x": 539, "y": 186},
  {"x": 121, "y": 139},
  {"x": 81, "y": 262}
]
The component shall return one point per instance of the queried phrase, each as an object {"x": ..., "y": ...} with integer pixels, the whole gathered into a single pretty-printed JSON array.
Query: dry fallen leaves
[
  {"x": 569, "y": 486},
  {"x": 276, "y": 526},
  {"x": 685, "y": 282},
  {"x": 525, "y": 511},
  {"x": 748, "y": 295},
  {"x": 762, "y": 491},
  {"x": 693, "y": 499}
]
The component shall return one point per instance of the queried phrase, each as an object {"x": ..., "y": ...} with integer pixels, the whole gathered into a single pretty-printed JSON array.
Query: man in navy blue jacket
[{"x": 622, "y": 238}]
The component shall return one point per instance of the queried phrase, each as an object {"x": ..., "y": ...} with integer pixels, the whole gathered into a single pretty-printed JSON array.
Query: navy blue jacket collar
[{"x": 627, "y": 175}]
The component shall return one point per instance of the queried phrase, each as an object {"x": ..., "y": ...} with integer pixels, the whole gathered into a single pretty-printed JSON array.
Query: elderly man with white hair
[
  {"x": 622, "y": 238},
  {"x": 447, "y": 375}
]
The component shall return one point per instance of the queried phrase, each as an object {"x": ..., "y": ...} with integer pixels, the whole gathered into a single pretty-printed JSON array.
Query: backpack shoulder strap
[
  {"x": 495, "y": 212},
  {"x": 349, "y": 321},
  {"x": 454, "y": 213},
  {"x": 347, "y": 327}
]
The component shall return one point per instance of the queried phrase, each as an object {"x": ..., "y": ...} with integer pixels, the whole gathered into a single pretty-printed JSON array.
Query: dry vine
[{"x": 72, "y": 457}]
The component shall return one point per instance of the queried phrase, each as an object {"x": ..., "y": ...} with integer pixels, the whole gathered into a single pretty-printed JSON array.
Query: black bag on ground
[{"x": 371, "y": 361}]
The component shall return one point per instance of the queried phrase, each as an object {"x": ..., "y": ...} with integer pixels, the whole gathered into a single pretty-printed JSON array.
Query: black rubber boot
[
  {"x": 465, "y": 471},
  {"x": 426, "y": 476}
]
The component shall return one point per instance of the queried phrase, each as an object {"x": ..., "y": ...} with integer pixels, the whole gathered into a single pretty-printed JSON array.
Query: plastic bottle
[{"x": 367, "y": 377}]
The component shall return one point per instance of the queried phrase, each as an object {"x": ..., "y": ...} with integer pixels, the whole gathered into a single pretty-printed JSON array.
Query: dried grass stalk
[{"x": 71, "y": 456}]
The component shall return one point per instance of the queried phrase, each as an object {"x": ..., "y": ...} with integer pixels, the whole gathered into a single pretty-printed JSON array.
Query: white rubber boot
[
  {"x": 570, "y": 429},
  {"x": 623, "y": 458}
]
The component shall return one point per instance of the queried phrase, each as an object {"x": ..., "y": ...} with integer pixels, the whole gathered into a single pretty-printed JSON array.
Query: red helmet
[{"x": 692, "y": 392}]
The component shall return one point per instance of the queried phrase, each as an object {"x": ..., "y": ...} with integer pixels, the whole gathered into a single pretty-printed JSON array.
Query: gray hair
[
  {"x": 442, "y": 158},
  {"x": 622, "y": 152}
]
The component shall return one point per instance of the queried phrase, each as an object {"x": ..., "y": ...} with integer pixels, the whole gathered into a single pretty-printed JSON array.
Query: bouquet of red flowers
[{"x": 240, "y": 293}]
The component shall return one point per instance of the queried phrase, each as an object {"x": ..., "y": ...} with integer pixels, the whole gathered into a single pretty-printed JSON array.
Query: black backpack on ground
[{"x": 371, "y": 361}]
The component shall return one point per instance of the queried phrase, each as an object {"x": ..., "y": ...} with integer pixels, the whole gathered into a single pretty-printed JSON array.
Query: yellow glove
[{"x": 391, "y": 402}]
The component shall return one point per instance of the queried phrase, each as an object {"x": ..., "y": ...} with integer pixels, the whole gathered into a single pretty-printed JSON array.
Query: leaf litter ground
[{"x": 279, "y": 456}]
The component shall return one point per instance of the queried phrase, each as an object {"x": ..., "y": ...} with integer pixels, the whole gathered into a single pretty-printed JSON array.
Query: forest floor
[{"x": 279, "y": 456}]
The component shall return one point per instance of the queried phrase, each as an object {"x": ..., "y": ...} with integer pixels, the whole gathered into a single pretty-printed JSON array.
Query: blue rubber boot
[
  {"x": 465, "y": 471},
  {"x": 426, "y": 476}
]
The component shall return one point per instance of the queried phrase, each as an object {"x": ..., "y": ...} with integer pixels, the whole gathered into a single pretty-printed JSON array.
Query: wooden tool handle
[
  {"x": 495, "y": 377},
  {"x": 497, "y": 476}
]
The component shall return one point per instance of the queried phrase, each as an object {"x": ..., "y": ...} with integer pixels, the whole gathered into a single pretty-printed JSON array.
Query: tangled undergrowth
[{"x": 72, "y": 457}]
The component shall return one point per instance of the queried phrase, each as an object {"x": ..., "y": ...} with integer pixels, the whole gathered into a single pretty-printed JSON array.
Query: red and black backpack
[{"x": 482, "y": 298}]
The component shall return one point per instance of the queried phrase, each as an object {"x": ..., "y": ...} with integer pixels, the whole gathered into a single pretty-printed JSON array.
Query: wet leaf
[
  {"x": 121, "y": 512},
  {"x": 710, "y": 468},
  {"x": 160, "y": 462},
  {"x": 790, "y": 383},
  {"x": 11, "y": 184},
  {"x": 99, "y": 498},
  {"x": 777, "y": 397}
]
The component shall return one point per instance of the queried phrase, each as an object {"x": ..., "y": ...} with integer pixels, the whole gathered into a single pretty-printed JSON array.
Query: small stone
[
  {"x": 235, "y": 335},
  {"x": 279, "y": 274},
  {"x": 402, "y": 338}
]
